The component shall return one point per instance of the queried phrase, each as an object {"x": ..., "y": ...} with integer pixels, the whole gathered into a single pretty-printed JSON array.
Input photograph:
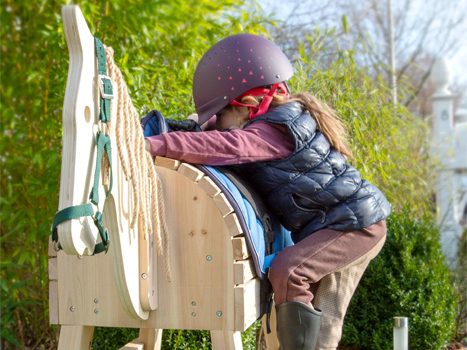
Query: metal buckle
[{"x": 101, "y": 87}]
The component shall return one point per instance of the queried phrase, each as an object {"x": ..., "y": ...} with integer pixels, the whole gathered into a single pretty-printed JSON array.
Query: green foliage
[
  {"x": 156, "y": 43},
  {"x": 113, "y": 338},
  {"x": 409, "y": 278},
  {"x": 389, "y": 145},
  {"x": 461, "y": 284}
]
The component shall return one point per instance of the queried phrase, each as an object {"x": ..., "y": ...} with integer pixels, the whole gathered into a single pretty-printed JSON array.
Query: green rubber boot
[{"x": 297, "y": 326}]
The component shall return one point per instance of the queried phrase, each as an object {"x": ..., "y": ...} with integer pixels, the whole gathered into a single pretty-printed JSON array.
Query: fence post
[{"x": 401, "y": 333}]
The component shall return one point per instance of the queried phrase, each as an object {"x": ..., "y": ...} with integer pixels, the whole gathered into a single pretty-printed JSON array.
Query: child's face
[{"x": 232, "y": 118}]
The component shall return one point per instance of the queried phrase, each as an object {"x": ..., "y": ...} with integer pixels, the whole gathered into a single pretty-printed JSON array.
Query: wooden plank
[
  {"x": 167, "y": 163},
  {"x": 226, "y": 340},
  {"x": 75, "y": 337},
  {"x": 247, "y": 304},
  {"x": 51, "y": 252},
  {"x": 240, "y": 249},
  {"x": 151, "y": 338},
  {"x": 133, "y": 346},
  {"x": 244, "y": 271},
  {"x": 223, "y": 204},
  {"x": 209, "y": 186},
  {"x": 191, "y": 172},
  {"x": 53, "y": 302},
  {"x": 52, "y": 266},
  {"x": 233, "y": 225},
  {"x": 265, "y": 340},
  {"x": 200, "y": 295}
]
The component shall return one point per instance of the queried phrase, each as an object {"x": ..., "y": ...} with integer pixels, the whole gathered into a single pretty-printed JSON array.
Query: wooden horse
[{"x": 212, "y": 282}]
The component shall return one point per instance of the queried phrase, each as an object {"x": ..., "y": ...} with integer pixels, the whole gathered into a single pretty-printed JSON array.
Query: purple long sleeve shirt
[{"x": 257, "y": 142}]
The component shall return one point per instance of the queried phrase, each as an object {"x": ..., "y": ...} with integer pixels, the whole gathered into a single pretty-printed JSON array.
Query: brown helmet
[{"x": 233, "y": 66}]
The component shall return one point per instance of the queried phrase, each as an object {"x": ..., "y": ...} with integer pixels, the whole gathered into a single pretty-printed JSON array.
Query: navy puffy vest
[{"x": 314, "y": 187}]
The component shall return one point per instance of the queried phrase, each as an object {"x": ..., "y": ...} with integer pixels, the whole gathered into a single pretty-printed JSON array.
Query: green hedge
[
  {"x": 114, "y": 338},
  {"x": 409, "y": 278}
]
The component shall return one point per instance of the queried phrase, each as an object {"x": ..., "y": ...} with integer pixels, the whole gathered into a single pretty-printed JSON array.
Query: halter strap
[{"x": 103, "y": 146}]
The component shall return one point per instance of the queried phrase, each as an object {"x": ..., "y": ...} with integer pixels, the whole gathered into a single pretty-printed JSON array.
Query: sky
[{"x": 457, "y": 60}]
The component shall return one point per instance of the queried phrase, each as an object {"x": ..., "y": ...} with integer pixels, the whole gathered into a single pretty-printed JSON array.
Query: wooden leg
[
  {"x": 148, "y": 339},
  {"x": 151, "y": 338},
  {"x": 226, "y": 340},
  {"x": 268, "y": 341},
  {"x": 75, "y": 337}
]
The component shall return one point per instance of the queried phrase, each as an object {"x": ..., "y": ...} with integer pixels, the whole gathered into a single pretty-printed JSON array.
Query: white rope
[{"x": 147, "y": 204}]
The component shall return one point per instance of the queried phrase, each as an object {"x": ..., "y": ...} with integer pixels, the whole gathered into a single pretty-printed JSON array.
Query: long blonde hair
[{"x": 326, "y": 118}]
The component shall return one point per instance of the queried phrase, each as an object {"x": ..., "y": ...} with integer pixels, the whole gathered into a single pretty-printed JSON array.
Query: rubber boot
[{"x": 297, "y": 326}]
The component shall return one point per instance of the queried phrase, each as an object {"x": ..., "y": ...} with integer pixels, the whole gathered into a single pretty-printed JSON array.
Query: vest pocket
[{"x": 309, "y": 206}]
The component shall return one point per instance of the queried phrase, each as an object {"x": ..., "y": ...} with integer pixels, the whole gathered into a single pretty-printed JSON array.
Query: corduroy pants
[{"x": 324, "y": 270}]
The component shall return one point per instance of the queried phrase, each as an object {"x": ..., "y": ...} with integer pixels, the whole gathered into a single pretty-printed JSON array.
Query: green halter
[{"x": 103, "y": 146}]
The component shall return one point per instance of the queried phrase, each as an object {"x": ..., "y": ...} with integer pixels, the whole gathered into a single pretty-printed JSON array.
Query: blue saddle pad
[{"x": 251, "y": 224}]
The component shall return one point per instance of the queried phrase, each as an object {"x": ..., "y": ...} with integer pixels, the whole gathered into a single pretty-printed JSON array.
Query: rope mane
[{"x": 148, "y": 210}]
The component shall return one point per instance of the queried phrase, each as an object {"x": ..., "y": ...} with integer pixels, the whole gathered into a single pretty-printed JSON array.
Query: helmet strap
[{"x": 268, "y": 94}]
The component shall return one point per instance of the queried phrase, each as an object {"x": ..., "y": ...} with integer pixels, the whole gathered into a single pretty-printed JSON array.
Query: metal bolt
[
  {"x": 144, "y": 275},
  {"x": 225, "y": 97},
  {"x": 193, "y": 303},
  {"x": 193, "y": 314},
  {"x": 96, "y": 300},
  {"x": 72, "y": 308},
  {"x": 209, "y": 257},
  {"x": 278, "y": 76},
  {"x": 96, "y": 311},
  {"x": 219, "y": 313}
]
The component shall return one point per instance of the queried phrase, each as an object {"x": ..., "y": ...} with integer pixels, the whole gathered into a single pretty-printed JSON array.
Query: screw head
[
  {"x": 96, "y": 300},
  {"x": 193, "y": 314},
  {"x": 193, "y": 303},
  {"x": 96, "y": 311},
  {"x": 209, "y": 257},
  {"x": 144, "y": 275},
  {"x": 72, "y": 308},
  {"x": 219, "y": 313}
]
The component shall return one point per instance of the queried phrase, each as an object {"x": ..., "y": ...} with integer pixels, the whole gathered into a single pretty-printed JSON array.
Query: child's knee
[{"x": 276, "y": 274}]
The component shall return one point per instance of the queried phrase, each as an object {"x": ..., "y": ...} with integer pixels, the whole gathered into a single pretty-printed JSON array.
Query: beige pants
[
  {"x": 333, "y": 297},
  {"x": 324, "y": 269}
]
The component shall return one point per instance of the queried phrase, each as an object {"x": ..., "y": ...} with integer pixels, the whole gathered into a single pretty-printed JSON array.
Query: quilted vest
[{"x": 314, "y": 187}]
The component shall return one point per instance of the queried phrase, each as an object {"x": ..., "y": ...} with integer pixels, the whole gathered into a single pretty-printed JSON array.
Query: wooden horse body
[{"x": 213, "y": 283}]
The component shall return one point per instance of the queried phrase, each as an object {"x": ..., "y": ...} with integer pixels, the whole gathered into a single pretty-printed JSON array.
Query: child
[{"x": 293, "y": 149}]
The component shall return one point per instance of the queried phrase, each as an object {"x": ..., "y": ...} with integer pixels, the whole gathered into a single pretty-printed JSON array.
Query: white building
[{"x": 449, "y": 149}]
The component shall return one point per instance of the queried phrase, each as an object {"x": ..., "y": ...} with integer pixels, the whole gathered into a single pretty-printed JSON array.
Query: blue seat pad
[{"x": 250, "y": 223}]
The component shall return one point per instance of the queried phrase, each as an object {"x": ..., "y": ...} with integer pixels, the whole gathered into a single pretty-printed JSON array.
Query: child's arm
[{"x": 257, "y": 142}]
